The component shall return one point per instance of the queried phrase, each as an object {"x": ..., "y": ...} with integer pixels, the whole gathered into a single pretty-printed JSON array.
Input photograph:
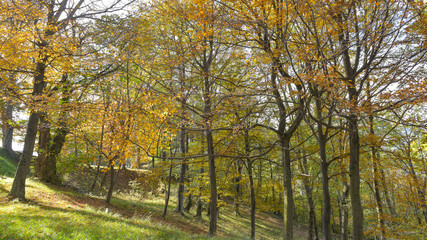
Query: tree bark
[
  {"x": 199, "y": 208},
  {"x": 322, "y": 139},
  {"x": 199, "y": 201},
  {"x": 183, "y": 141},
  {"x": 253, "y": 200},
  {"x": 343, "y": 213},
  {"x": 167, "y": 194},
  {"x": 43, "y": 146},
  {"x": 312, "y": 228},
  {"x": 49, "y": 149},
  {"x": 288, "y": 192},
  {"x": 168, "y": 191},
  {"x": 182, "y": 175},
  {"x": 273, "y": 190},
  {"x": 212, "y": 180},
  {"x": 7, "y": 126},
  {"x": 207, "y": 117},
  {"x": 58, "y": 142},
  {"x": 356, "y": 202},
  {"x": 104, "y": 178},
  {"x": 326, "y": 217},
  {"x": 54, "y": 147},
  {"x": 377, "y": 194},
  {"x": 251, "y": 183},
  {"x": 237, "y": 187},
  {"x": 189, "y": 203},
  {"x": 113, "y": 180},
  {"x": 18, "y": 186}
]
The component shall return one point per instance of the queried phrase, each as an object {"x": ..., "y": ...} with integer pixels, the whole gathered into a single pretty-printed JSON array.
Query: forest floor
[{"x": 52, "y": 212}]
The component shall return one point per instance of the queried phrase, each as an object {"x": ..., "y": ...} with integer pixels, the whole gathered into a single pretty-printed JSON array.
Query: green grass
[
  {"x": 7, "y": 164},
  {"x": 27, "y": 221},
  {"x": 59, "y": 213},
  {"x": 50, "y": 213}
]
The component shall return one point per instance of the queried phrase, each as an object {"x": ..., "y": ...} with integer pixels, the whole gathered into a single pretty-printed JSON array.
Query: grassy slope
[
  {"x": 7, "y": 164},
  {"x": 59, "y": 213}
]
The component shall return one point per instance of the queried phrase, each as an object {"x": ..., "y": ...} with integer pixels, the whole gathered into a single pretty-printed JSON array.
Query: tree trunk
[
  {"x": 168, "y": 191},
  {"x": 377, "y": 194},
  {"x": 58, "y": 140},
  {"x": 41, "y": 167},
  {"x": 387, "y": 195},
  {"x": 199, "y": 201},
  {"x": 343, "y": 213},
  {"x": 273, "y": 191},
  {"x": 237, "y": 187},
  {"x": 212, "y": 180},
  {"x": 312, "y": 229},
  {"x": 322, "y": 138},
  {"x": 104, "y": 178},
  {"x": 208, "y": 210},
  {"x": 52, "y": 157},
  {"x": 356, "y": 202},
  {"x": 419, "y": 191},
  {"x": 50, "y": 148},
  {"x": 18, "y": 186},
  {"x": 183, "y": 141},
  {"x": 285, "y": 137},
  {"x": 189, "y": 203},
  {"x": 98, "y": 164},
  {"x": 287, "y": 183},
  {"x": 184, "y": 166},
  {"x": 180, "y": 197},
  {"x": 326, "y": 217},
  {"x": 199, "y": 208},
  {"x": 207, "y": 112},
  {"x": 7, "y": 122},
  {"x": 7, "y": 126},
  {"x": 113, "y": 180},
  {"x": 251, "y": 182},
  {"x": 253, "y": 200}
]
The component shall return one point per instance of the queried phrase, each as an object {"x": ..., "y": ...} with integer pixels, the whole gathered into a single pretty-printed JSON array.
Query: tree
[
  {"x": 8, "y": 124},
  {"x": 269, "y": 28},
  {"x": 357, "y": 45},
  {"x": 50, "y": 21}
]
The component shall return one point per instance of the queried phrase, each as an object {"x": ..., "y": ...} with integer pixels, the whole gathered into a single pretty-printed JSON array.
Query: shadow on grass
[
  {"x": 85, "y": 218},
  {"x": 75, "y": 224},
  {"x": 128, "y": 210},
  {"x": 233, "y": 224}
]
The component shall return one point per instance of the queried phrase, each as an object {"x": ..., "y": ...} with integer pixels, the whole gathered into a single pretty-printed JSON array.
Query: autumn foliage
[{"x": 310, "y": 110}]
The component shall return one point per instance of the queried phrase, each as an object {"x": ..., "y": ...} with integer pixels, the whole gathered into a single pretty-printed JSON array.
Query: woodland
[{"x": 310, "y": 111}]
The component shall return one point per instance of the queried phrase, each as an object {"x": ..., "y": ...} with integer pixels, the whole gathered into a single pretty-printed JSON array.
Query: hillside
[
  {"x": 52, "y": 212},
  {"x": 7, "y": 164}
]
